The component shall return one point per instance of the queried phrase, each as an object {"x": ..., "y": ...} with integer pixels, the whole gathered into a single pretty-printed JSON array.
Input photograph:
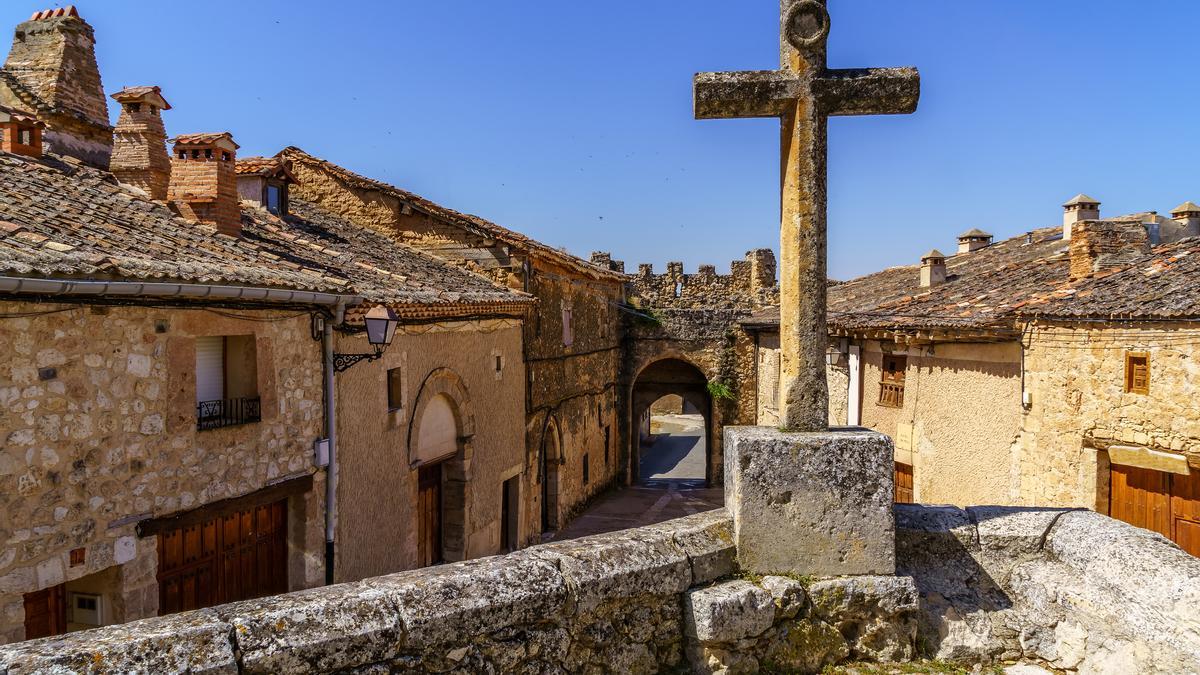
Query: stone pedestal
[{"x": 811, "y": 503}]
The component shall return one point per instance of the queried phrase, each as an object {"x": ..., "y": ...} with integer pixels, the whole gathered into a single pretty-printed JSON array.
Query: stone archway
[
  {"x": 440, "y": 452},
  {"x": 550, "y": 451},
  {"x": 664, "y": 377}
]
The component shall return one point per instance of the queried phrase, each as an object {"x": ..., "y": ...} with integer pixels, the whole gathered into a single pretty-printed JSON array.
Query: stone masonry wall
[
  {"x": 749, "y": 285},
  {"x": 1075, "y": 375},
  {"x": 98, "y": 412}
]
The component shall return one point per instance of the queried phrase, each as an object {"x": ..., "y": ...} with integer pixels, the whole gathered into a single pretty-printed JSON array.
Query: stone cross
[{"x": 803, "y": 93}]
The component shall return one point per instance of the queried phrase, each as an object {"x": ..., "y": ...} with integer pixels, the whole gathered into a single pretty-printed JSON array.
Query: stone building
[
  {"x": 571, "y": 342},
  {"x": 991, "y": 389}
]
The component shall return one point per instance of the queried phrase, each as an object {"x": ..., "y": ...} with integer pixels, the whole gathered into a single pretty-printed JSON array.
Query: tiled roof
[
  {"x": 59, "y": 218},
  {"x": 204, "y": 138},
  {"x": 1186, "y": 207},
  {"x": 1081, "y": 199},
  {"x": 471, "y": 223},
  {"x": 974, "y": 232},
  {"x": 983, "y": 289},
  {"x": 135, "y": 93},
  {"x": 262, "y": 166},
  {"x": 1158, "y": 285},
  {"x": 20, "y": 116}
]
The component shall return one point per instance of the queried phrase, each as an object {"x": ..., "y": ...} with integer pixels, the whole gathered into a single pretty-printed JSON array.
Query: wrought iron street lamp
[{"x": 381, "y": 323}]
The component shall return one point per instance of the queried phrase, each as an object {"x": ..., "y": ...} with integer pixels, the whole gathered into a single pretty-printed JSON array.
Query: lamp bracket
[{"x": 343, "y": 362}]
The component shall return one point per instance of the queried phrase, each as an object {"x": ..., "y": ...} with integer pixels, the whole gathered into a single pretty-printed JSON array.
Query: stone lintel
[
  {"x": 815, "y": 503},
  {"x": 758, "y": 93}
]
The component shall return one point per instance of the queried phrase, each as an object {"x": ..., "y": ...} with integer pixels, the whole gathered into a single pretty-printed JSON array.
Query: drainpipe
[{"x": 331, "y": 471}]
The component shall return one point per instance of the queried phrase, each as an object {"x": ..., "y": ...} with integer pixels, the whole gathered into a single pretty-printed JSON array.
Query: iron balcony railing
[
  {"x": 227, "y": 412},
  {"x": 891, "y": 395}
]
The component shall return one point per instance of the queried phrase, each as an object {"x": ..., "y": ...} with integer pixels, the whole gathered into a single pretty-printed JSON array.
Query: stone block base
[{"x": 811, "y": 503}]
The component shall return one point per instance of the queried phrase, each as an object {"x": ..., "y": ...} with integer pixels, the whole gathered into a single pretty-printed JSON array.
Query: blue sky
[{"x": 571, "y": 121}]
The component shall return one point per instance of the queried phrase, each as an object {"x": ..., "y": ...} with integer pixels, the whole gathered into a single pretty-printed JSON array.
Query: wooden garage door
[
  {"x": 1162, "y": 502},
  {"x": 235, "y": 556}
]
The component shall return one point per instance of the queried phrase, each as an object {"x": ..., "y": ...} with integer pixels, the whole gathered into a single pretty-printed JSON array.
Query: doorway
[
  {"x": 672, "y": 419},
  {"x": 429, "y": 515},
  {"x": 551, "y": 459}
]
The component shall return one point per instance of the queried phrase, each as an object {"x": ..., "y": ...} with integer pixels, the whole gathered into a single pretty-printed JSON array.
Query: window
[
  {"x": 395, "y": 388},
  {"x": 568, "y": 329},
  {"x": 1137, "y": 372},
  {"x": 509, "y": 501},
  {"x": 226, "y": 381},
  {"x": 274, "y": 200},
  {"x": 586, "y": 466},
  {"x": 891, "y": 386}
]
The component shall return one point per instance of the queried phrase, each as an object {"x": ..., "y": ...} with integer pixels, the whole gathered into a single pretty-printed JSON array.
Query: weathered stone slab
[
  {"x": 191, "y": 642},
  {"x": 878, "y": 612},
  {"x": 727, "y": 612},
  {"x": 707, "y": 540},
  {"x": 318, "y": 630},
  {"x": 618, "y": 565},
  {"x": 789, "y": 596},
  {"x": 449, "y": 603},
  {"x": 815, "y": 503}
]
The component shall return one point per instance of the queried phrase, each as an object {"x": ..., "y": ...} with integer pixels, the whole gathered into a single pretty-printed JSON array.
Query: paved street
[{"x": 674, "y": 487}]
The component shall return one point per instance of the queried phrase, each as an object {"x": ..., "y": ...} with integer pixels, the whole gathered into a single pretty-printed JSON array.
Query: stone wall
[
  {"x": 377, "y": 487},
  {"x": 1075, "y": 376},
  {"x": 1073, "y": 589},
  {"x": 640, "y": 601},
  {"x": 98, "y": 407},
  {"x": 750, "y": 284}
]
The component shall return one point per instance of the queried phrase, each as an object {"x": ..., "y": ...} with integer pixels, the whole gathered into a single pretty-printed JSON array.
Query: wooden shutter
[
  {"x": 904, "y": 483},
  {"x": 46, "y": 612},
  {"x": 1141, "y": 497},
  {"x": 210, "y": 368},
  {"x": 1137, "y": 372},
  {"x": 1185, "y": 510}
]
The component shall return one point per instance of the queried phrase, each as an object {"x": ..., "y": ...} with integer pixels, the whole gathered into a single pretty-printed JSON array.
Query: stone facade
[
  {"x": 51, "y": 70},
  {"x": 377, "y": 487},
  {"x": 98, "y": 407},
  {"x": 572, "y": 344},
  {"x": 1079, "y": 407}
]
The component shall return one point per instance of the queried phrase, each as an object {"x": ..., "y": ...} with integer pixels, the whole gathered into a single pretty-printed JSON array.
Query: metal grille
[{"x": 227, "y": 412}]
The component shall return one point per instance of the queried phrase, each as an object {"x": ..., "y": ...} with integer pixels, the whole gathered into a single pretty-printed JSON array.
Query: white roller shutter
[{"x": 210, "y": 368}]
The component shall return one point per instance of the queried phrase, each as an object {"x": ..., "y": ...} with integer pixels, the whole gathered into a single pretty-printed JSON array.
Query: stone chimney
[
  {"x": 1080, "y": 208},
  {"x": 140, "y": 141},
  {"x": 20, "y": 133},
  {"x": 973, "y": 240},
  {"x": 933, "y": 269},
  {"x": 203, "y": 185},
  {"x": 1102, "y": 244},
  {"x": 265, "y": 181},
  {"x": 51, "y": 70},
  {"x": 1187, "y": 215}
]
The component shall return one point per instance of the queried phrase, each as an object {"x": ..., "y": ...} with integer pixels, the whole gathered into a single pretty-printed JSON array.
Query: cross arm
[
  {"x": 869, "y": 91},
  {"x": 756, "y": 93}
]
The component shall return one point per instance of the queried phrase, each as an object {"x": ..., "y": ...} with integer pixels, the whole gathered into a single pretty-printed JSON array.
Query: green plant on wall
[{"x": 719, "y": 391}]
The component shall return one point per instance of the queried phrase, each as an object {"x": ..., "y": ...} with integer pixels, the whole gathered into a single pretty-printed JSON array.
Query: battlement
[{"x": 750, "y": 285}]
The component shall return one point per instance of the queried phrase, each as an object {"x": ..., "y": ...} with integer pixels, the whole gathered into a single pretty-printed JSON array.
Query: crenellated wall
[{"x": 749, "y": 285}]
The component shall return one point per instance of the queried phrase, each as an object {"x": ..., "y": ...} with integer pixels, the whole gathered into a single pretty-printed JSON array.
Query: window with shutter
[
  {"x": 226, "y": 381},
  {"x": 210, "y": 368},
  {"x": 568, "y": 329},
  {"x": 891, "y": 385},
  {"x": 1137, "y": 372}
]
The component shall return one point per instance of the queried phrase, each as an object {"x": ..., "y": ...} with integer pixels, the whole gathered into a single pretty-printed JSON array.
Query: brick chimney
[
  {"x": 20, "y": 133},
  {"x": 51, "y": 70},
  {"x": 140, "y": 141},
  {"x": 933, "y": 269},
  {"x": 203, "y": 185},
  {"x": 1080, "y": 208},
  {"x": 1103, "y": 244},
  {"x": 973, "y": 240},
  {"x": 1187, "y": 215}
]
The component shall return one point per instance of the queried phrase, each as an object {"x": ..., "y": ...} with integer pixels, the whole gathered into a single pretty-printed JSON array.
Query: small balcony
[
  {"x": 228, "y": 412},
  {"x": 891, "y": 395}
]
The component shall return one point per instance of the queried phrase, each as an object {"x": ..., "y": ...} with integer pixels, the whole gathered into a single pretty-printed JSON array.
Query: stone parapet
[
  {"x": 750, "y": 285},
  {"x": 1071, "y": 588},
  {"x": 811, "y": 503}
]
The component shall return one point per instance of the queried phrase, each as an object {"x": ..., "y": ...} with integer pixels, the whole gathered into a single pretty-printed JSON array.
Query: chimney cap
[
  {"x": 1082, "y": 200},
  {"x": 16, "y": 115},
  {"x": 69, "y": 10},
  {"x": 265, "y": 166},
  {"x": 933, "y": 254},
  {"x": 975, "y": 233},
  {"x": 1186, "y": 207},
  {"x": 223, "y": 139},
  {"x": 151, "y": 95}
]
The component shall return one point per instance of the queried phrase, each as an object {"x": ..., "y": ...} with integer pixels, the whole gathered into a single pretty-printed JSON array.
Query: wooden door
[
  {"x": 233, "y": 556},
  {"x": 904, "y": 483},
  {"x": 46, "y": 612},
  {"x": 1141, "y": 497},
  {"x": 429, "y": 515},
  {"x": 1185, "y": 511}
]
